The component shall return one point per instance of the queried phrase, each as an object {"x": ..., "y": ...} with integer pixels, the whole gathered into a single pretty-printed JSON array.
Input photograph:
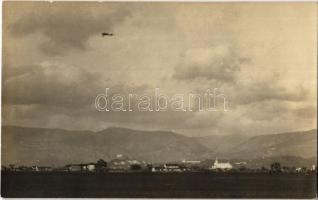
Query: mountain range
[
  {"x": 300, "y": 144},
  {"x": 31, "y": 146},
  {"x": 57, "y": 147}
]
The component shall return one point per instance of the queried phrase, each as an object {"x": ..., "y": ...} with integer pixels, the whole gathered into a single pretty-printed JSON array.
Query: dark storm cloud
[
  {"x": 48, "y": 86},
  {"x": 66, "y": 28},
  {"x": 57, "y": 84}
]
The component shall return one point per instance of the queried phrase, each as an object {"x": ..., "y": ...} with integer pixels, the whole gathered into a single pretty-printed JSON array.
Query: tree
[
  {"x": 303, "y": 169},
  {"x": 276, "y": 167},
  {"x": 12, "y": 166},
  {"x": 264, "y": 169},
  {"x": 286, "y": 169},
  {"x": 101, "y": 165},
  {"x": 135, "y": 167}
]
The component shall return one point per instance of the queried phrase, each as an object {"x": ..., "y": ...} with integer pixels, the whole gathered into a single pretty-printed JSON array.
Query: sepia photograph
[{"x": 159, "y": 100}]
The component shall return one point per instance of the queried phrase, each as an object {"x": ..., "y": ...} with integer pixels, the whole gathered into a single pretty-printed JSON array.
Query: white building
[
  {"x": 298, "y": 169},
  {"x": 222, "y": 166},
  {"x": 90, "y": 167},
  {"x": 313, "y": 168},
  {"x": 191, "y": 161}
]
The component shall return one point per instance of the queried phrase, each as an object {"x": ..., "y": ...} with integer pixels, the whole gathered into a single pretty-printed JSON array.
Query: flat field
[{"x": 150, "y": 185}]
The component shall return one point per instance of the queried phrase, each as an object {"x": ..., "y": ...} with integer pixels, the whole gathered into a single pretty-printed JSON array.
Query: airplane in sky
[{"x": 107, "y": 34}]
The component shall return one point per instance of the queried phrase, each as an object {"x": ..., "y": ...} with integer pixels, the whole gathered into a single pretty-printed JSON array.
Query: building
[
  {"x": 119, "y": 165},
  {"x": 298, "y": 169},
  {"x": 45, "y": 169},
  {"x": 74, "y": 168},
  {"x": 158, "y": 168},
  {"x": 191, "y": 165},
  {"x": 171, "y": 167},
  {"x": 23, "y": 168},
  {"x": 313, "y": 168},
  {"x": 89, "y": 167},
  {"x": 191, "y": 162},
  {"x": 221, "y": 166},
  {"x": 123, "y": 163}
]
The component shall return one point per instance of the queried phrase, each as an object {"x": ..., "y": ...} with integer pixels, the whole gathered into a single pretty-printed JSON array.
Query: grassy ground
[{"x": 172, "y": 185}]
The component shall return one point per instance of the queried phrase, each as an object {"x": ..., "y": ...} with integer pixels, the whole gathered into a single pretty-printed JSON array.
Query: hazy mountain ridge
[
  {"x": 53, "y": 146},
  {"x": 30, "y": 146},
  {"x": 222, "y": 143},
  {"x": 301, "y": 144}
]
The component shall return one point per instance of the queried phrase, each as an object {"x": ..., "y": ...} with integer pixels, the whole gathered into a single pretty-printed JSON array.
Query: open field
[{"x": 169, "y": 185}]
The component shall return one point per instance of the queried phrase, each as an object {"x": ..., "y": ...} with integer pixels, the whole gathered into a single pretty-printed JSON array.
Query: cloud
[
  {"x": 59, "y": 84},
  {"x": 267, "y": 90},
  {"x": 65, "y": 28},
  {"x": 49, "y": 84},
  {"x": 179, "y": 48},
  {"x": 218, "y": 63},
  {"x": 307, "y": 112}
]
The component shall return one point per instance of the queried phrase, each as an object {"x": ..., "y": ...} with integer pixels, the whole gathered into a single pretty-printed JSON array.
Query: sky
[{"x": 262, "y": 56}]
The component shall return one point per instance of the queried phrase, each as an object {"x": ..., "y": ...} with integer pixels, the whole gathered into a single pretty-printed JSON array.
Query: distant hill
[
  {"x": 299, "y": 144},
  {"x": 29, "y": 146},
  {"x": 219, "y": 144}
]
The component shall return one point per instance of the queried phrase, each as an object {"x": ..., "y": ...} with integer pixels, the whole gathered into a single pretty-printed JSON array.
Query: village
[{"x": 123, "y": 164}]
